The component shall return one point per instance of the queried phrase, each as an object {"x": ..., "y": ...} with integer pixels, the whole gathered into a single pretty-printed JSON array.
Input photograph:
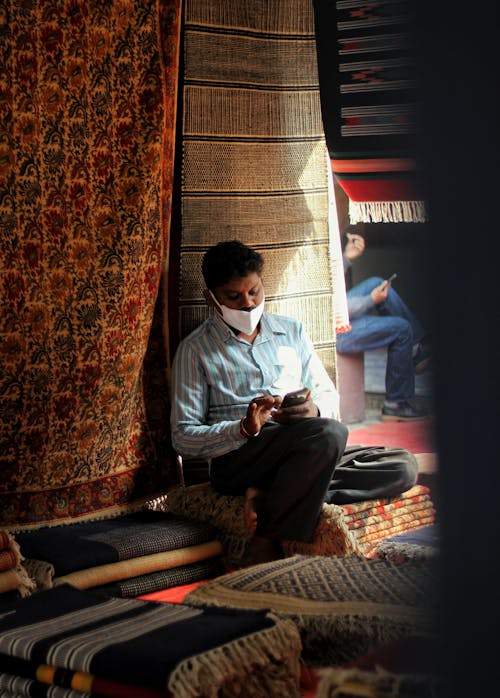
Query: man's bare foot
[{"x": 252, "y": 497}]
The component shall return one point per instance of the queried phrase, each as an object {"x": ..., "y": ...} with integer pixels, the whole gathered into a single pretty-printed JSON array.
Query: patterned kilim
[
  {"x": 254, "y": 161},
  {"x": 368, "y": 97},
  {"x": 342, "y": 605},
  {"x": 82, "y": 640},
  {"x": 87, "y": 129}
]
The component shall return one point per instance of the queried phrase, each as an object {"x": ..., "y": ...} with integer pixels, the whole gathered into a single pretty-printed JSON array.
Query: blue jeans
[{"x": 394, "y": 326}]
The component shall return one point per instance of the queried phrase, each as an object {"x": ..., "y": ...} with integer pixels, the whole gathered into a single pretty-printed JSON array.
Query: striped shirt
[{"x": 215, "y": 375}]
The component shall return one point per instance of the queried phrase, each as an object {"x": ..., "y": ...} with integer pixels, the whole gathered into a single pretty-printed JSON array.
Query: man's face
[{"x": 241, "y": 294}]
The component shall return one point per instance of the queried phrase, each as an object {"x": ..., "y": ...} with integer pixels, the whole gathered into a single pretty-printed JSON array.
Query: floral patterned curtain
[{"x": 87, "y": 121}]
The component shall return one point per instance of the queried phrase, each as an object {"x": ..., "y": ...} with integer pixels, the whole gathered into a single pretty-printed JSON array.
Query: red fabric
[
  {"x": 378, "y": 189},
  {"x": 417, "y": 437},
  {"x": 173, "y": 595}
]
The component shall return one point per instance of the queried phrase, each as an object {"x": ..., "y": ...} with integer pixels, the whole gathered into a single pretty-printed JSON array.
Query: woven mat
[
  {"x": 342, "y": 605},
  {"x": 254, "y": 160}
]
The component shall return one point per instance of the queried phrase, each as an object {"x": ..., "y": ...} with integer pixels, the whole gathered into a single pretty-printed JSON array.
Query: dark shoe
[
  {"x": 423, "y": 357},
  {"x": 404, "y": 412}
]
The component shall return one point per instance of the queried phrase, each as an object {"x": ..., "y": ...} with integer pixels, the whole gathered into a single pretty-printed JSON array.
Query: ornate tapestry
[
  {"x": 254, "y": 160},
  {"x": 87, "y": 101}
]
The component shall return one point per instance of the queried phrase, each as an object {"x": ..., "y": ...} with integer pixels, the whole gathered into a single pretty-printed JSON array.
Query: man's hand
[
  {"x": 289, "y": 414},
  {"x": 258, "y": 412},
  {"x": 355, "y": 246},
  {"x": 379, "y": 293}
]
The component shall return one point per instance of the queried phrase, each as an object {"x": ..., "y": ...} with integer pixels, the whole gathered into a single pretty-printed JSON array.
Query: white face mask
[{"x": 243, "y": 320}]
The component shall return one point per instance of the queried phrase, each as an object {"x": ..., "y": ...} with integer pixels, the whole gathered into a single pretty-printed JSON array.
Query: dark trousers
[
  {"x": 302, "y": 465},
  {"x": 293, "y": 464},
  {"x": 372, "y": 472}
]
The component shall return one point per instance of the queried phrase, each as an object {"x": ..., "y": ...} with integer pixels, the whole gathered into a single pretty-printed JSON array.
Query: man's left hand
[{"x": 290, "y": 414}]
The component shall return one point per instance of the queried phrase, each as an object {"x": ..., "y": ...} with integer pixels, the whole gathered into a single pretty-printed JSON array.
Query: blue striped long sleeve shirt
[{"x": 215, "y": 375}]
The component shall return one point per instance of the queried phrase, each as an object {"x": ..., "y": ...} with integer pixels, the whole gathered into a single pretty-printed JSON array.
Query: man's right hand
[
  {"x": 379, "y": 293},
  {"x": 258, "y": 413}
]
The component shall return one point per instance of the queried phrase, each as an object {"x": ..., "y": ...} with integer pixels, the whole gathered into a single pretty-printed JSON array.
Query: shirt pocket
[{"x": 287, "y": 371}]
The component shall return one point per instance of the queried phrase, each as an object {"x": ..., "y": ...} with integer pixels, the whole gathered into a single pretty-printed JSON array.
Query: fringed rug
[
  {"x": 341, "y": 605},
  {"x": 254, "y": 160},
  {"x": 140, "y": 547},
  {"x": 366, "y": 60},
  {"x": 88, "y": 123},
  {"x": 85, "y": 640}
]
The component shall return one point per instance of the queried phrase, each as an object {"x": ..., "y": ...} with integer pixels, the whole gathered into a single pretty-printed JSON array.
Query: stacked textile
[
  {"x": 378, "y": 519},
  {"x": 126, "y": 556},
  {"x": 66, "y": 642},
  {"x": 13, "y": 575}
]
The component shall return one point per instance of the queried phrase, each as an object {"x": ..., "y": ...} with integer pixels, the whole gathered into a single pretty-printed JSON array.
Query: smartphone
[
  {"x": 391, "y": 278},
  {"x": 297, "y": 397}
]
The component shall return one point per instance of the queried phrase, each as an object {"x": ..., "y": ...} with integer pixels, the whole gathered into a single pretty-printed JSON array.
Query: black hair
[{"x": 229, "y": 260}]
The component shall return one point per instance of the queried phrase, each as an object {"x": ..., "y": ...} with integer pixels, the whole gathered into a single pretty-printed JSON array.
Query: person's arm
[
  {"x": 359, "y": 304},
  {"x": 192, "y": 437}
]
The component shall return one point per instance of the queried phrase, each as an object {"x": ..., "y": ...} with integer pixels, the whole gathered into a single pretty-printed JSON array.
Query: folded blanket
[
  {"x": 96, "y": 553},
  {"x": 164, "y": 579},
  {"x": 188, "y": 651}
]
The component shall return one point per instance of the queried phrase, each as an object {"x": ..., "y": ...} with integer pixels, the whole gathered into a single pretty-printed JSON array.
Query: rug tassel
[
  {"x": 264, "y": 663},
  {"x": 387, "y": 212}
]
